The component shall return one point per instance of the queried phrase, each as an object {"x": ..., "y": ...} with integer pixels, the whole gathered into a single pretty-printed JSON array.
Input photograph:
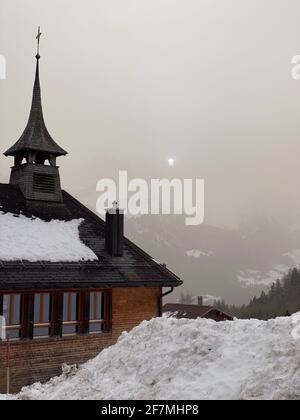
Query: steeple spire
[
  {"x": 36, "y": 141},
  {"x": 38, "y": 43},
  {"x": 37, "y": 180}
]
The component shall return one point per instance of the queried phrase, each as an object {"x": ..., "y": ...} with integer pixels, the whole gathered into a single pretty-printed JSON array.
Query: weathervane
[{"x": 38, "y": 43}]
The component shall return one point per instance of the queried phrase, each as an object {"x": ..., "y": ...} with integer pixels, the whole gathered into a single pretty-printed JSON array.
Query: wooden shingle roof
[
  {"x": 180, "y": 310},
  {"x": 36, "y": 136},
  {"x": 134, "y": 268}
]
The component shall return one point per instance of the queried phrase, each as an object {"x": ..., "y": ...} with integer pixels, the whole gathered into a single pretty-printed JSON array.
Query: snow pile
[
  {"x": 188, "y": 359},
  {"x": 33, "y": 240}
]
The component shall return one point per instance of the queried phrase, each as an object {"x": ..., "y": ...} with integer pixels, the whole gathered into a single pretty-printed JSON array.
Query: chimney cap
[{"x": 115, "y": 209}]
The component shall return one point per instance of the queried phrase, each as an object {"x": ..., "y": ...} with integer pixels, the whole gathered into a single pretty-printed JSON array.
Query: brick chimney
[
  {"x": 200, "y": 300},
  {"x": 114, "y": 232}
]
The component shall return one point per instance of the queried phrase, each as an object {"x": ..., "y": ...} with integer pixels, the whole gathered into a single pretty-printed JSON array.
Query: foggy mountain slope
[{"x": 233, "y": 264}]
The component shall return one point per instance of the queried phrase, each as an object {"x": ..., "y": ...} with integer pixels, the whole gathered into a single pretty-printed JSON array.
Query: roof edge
[{"x": 131, "y": 244}]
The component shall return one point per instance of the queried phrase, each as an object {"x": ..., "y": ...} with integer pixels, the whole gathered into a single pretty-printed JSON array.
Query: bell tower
[{"x": 35, "y": 153}]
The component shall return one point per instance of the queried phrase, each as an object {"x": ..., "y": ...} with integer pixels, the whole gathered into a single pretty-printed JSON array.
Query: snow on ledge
[{"x": 34, "y": 240}]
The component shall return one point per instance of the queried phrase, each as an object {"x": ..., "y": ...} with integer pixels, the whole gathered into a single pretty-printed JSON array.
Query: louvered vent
[{"x": 44, "y": 183}]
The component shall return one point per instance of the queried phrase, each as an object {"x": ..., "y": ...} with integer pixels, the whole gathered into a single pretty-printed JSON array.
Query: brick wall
[{"x": 39, "y": 360}]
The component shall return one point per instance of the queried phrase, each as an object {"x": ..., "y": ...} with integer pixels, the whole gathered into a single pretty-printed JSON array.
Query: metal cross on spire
[{"x": 38, "y": 42}]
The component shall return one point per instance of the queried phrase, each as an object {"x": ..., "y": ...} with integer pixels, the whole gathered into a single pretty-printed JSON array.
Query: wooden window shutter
[
  {"x": 84, "y": 312},
  {"x": 57, "y": 314},
  {"x": 107, "y": 327},
  {"x": 27, "y": 316}
]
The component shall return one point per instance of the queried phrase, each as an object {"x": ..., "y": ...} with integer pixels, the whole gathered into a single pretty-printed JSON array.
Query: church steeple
[
  {"x": 35, "y": 149},
  {"x": 36, "y": 144}
]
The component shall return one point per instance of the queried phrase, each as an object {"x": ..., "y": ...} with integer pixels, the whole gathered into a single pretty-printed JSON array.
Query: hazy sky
[{"x": 128, "y": 83}]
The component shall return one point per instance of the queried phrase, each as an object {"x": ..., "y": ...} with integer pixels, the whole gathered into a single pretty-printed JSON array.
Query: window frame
[
  {"x": 9, "y": 325},
  {"x": 72, "y": 323},
  {"x": 41, "y": 324},
  {"x": 97, "y": 320},
  {"x": 56, "y": 323}
]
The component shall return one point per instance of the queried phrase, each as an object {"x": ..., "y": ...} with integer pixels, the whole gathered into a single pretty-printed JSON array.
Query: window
[
  {"x": 12, "y": 315},
  {"x": 55, "y": 314},
  {"x": 71, "y": 314},
  {"x": 96, "y": 312},
  {"x": 42, "y": 315}
]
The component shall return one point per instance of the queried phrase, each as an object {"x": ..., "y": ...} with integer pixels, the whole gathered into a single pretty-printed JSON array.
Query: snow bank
[
  {"x": 33, "y": 240},
  {"x": 188, "y": 359}
]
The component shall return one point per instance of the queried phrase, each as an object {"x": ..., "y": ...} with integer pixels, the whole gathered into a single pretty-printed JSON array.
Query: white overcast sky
[{"x": 129, "y": 83}]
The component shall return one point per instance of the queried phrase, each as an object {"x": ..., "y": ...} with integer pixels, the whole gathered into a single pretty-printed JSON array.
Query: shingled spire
[
  {"x": 36, "y": 144},
  {"x": 35, "y": 148}
]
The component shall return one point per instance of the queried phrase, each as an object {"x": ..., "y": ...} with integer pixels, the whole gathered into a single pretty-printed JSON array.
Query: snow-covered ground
[
  {"x": 53, "y": 241},
  {"x": 188, "y": 359}
]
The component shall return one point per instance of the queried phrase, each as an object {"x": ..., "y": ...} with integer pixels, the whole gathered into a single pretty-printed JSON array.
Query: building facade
[{"x": 64, "y": 297}]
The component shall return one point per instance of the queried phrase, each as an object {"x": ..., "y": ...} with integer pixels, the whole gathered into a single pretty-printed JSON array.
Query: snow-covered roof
[
  {"x": 136, "y": 268},
  {"x": 34, "y": 240}
]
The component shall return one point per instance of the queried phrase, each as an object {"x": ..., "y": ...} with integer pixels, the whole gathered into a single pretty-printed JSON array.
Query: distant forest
[{"x": 283, "y": 299}]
